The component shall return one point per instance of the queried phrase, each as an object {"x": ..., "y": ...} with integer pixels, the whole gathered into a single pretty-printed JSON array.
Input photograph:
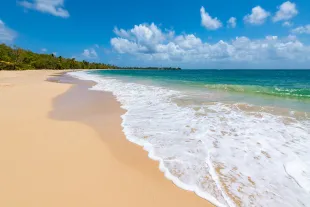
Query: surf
[{"x": 230, "y": 153}]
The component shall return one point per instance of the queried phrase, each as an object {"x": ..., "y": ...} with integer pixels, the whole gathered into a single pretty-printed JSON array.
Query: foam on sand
[
  {"x": 300, "y": 172},
  {"x": 224, "y": 154}
]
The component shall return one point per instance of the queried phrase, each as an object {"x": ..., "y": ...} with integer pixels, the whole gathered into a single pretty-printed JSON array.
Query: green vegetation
[{"x": 19, "y": 59}]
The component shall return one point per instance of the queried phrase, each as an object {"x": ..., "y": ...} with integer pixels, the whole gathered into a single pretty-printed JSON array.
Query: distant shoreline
[
  {"x": 14, "y": 58},
  {"x": 145, "y": 69}
]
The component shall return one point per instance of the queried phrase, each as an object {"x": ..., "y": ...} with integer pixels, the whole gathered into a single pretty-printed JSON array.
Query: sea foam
[{"x": 226, "y": 155}]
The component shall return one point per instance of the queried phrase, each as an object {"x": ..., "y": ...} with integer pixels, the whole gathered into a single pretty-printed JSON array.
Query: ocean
[{"x": 234, "y": 137}]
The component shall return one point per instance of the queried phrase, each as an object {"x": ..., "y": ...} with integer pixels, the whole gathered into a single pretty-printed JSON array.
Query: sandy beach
[{"x": 62, "y": 145}]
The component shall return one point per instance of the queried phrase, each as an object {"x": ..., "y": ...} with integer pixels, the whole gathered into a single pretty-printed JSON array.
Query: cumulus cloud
[
  {"x": 232, "y": 22},
  {"x": 90, "y": 53},
  {"x": 287, "y": 24},
  {"x": 208, "y": 22},
  {"x": 257, "y": 17},
  {"x": 6, "y": 34},
  {"x": 188, "y": 48},
  {"x": 302, "y": 30},
  {"x": 286, "y": 11},
  {"x": 53, "y": 7},
  {"x": 141, "y": 38}
]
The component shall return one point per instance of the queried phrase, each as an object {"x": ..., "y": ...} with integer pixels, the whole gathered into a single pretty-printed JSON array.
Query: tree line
[{"x": 14, "y": 58}]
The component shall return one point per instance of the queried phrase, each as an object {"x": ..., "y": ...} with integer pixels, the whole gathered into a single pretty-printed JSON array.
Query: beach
[
  {"x": 234, "y": 137},
  {"x": 63, "y": 145}
]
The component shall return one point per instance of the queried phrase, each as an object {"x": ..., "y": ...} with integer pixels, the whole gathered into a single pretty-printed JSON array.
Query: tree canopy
[{"x": 19, "y": 59}]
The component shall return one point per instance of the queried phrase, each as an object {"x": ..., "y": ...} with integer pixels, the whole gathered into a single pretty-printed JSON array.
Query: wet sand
[{"x": 63, "y": 145}]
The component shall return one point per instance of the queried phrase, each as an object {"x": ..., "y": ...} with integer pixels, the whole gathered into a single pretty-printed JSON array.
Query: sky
[{"x": 200, "y": 34}]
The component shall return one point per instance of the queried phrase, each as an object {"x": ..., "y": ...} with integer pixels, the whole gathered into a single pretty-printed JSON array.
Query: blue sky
[{"x": 189, "y": 34}]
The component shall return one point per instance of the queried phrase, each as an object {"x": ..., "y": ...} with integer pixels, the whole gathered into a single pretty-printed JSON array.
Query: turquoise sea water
[
  {"x": 234, "y": 137},
  {"x": 283, "y": 88},
  {"x": 283, "y": 83}
]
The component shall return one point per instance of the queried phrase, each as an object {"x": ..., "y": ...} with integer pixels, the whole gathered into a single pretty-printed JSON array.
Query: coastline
[{"x": 63, "y": 145}]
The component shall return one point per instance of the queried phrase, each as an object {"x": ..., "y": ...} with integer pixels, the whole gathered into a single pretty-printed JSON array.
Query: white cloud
[
  {"x": 208, "y": 22},
  {"x": 142, "y": 37},
  {"x": 191, "y": 49},
  {"x": 54, "y": 53},
  {"x": 44, "y": 50},
  {"x": 257, "y": 17},
  {"x": 187, "y": 41},
  {"x": 287, "y": 24},
  {"x": 142, "y": 33},
  {"x": 232, "y": 22},
  {"x": 286, "y": 11},
  {"x": 90, "y": 53},
  {"x": 292, "y": 37},
  {"x": 54, "y": 7},
  {"x": 6, "y": 34},
  {"x": 122, "y": 46},
  {"x": 302, "y": 30}
]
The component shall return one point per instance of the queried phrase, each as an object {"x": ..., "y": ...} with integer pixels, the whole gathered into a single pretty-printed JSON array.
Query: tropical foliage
[{"x": 19, "y": 59}]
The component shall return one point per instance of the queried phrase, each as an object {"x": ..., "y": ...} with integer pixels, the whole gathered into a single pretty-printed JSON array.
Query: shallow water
[{"x": 236, "y": 138}]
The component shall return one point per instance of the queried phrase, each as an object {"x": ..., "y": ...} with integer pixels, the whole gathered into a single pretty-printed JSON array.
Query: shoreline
[{"x": 77, "y": 134}]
